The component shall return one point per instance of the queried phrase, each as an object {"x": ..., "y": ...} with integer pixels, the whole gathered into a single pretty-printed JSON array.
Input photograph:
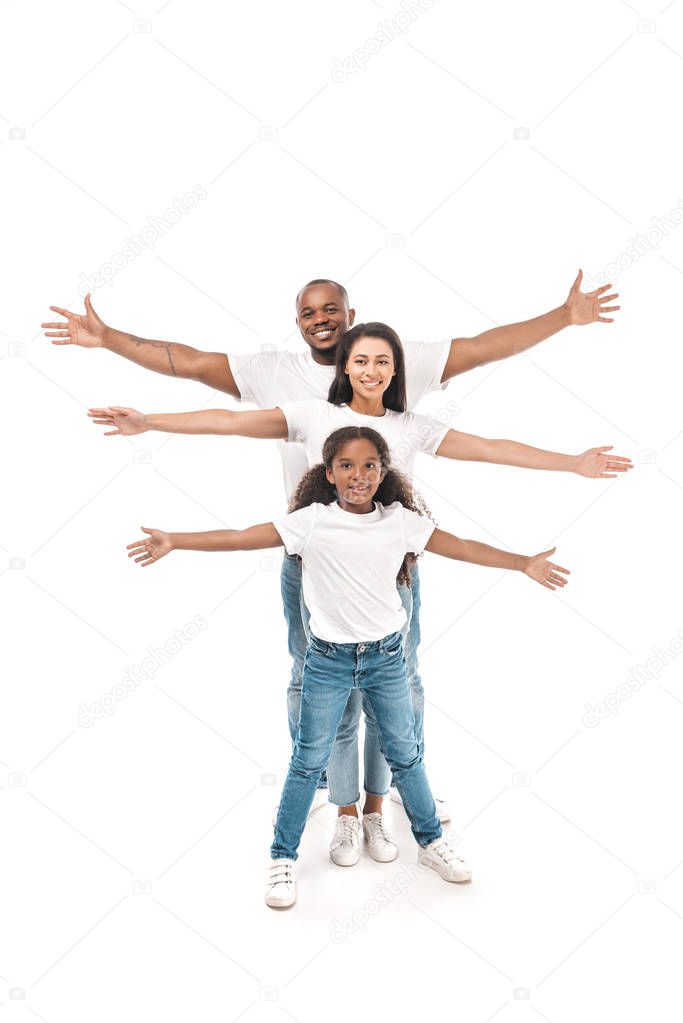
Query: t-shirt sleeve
[
  {"x": 251, "y": 370},
  {"x": 425, "y": 364},
  {"x": 427, "y": 432},
  {"x": 299, "y": 416},
  {"x": 295, "y": 528},
  {"x": 417, "y": 530}
]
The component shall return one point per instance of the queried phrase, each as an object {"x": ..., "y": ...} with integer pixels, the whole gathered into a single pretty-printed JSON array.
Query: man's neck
[{"x": 322, "y": 358}]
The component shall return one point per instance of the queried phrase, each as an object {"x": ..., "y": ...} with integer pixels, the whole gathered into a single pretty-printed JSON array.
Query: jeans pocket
[
  {"x": 394, "y": 646},
  {"x": 318, "y": 646}
]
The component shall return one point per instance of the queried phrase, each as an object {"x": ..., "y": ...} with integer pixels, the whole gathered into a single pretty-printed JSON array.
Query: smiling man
[{"x": 270, "y": 378}]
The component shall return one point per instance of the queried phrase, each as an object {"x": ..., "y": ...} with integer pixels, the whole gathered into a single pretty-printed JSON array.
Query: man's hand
[
  {"x": 545, "y": 572},
  {"x": 596, "y": 464},
  {"x": 126, "y": 421},
  {"x": 589, "y": 306},
  {"x": 155, "y": 546},
  {"x": 87, "y": 331}
]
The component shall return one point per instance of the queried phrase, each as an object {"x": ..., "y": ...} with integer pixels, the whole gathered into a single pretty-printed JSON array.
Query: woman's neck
[{"x": 367, "y": 406}]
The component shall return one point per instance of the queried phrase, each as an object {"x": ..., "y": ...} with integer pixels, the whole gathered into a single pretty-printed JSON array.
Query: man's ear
[{"x": 352, "y": 317}]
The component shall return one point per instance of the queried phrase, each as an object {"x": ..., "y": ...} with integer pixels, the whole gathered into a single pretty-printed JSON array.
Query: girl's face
[
  {"x": 370, "y": 366},
  {"x": 356, "y": 473}
]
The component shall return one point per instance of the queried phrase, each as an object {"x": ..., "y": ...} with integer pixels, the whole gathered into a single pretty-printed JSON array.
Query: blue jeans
[
  {"x": 342, "y": 773},
  {"x": 331, "y": 672}
]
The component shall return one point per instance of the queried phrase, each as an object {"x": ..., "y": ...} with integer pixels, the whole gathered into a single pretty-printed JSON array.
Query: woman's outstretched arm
[
  {"x": 537, "y": 567},
  {"x": 157, "y": 543},
  {"x": 595, "y": 462},
  {"x": 268, "y": 424}
]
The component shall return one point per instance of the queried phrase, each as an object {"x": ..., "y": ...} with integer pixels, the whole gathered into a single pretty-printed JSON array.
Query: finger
[
  {"x": 577, "y": 282},
  {"x": 56, "y": 333},
  {"x": 62, "y": 312},
  {"x": 604, "y": 319},
  {"x": 547, "y": 585},
  {"x": 56, "y": 325},
  {"x": 558, "y": 568},
  {"x": 67, "y": 342},
  {"x": 599, "y": 291},
  {"x": 609, "y": 308},
  {"x": 605, "y": 447},
  {"x": 609, "y": 298},
  {"x": 144, "y": 557},
  {"x": 544, "y": 554},
  {"x": 111, "y": 433},
  {"x": 103, "y": 422},
  {"x": 86, "y": 301},
  {"x": 137, "y": 543}
]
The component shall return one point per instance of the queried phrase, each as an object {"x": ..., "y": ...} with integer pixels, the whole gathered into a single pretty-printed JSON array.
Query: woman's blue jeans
[
  {"x": 342, "y": 775},
  {"x": 331, "y": 672}
]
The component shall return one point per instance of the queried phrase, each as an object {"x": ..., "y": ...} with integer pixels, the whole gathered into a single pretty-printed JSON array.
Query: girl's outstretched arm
[
  {"x": 157, "y": 543},
  {"x": 267, "y": 424},
  {"x": 536, "y": 567},
  {"x": 595, "y": 462}
]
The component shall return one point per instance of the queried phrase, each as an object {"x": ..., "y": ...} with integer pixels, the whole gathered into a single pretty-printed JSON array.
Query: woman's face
[
  {"x": 356, "y": 473},
  {"x": 370, "y": 366}
]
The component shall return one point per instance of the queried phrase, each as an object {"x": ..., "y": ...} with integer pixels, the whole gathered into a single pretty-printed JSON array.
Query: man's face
[{"x": 323, "y": 316}]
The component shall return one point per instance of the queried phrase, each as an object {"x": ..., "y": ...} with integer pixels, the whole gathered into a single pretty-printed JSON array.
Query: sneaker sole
[{"x": 383, "y": 859}]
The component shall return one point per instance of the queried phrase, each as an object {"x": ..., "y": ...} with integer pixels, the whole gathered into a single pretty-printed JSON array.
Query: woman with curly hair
[
  {"x": 369, "y": 389},
  {"x": 354, "y": 502}
]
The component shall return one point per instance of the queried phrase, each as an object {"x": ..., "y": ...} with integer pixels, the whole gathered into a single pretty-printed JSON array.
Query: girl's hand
[
  {"x": 596, "y": 464},
  {"x": 128, "y": 421},
  {"x": 545, "y": 572},
  {"x": 150, "y": 550}
]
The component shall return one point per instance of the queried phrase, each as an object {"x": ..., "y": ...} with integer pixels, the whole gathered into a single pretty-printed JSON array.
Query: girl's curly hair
[{"x": 314, "y": 487}]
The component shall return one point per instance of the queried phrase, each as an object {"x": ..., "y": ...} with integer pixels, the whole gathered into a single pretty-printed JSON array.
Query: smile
[{"x": 323, "y": 335}]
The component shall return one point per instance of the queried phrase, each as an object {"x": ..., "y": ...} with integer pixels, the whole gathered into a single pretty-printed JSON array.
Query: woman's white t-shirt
[
  {"x": 350, "y": 564},
  {"x": 311, "y": 422}
]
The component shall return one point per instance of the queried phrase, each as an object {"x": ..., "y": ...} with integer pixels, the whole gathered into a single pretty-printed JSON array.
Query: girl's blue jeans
[
  {"x": 331, "y": 672},
  {"x": 342, "y": 776}
]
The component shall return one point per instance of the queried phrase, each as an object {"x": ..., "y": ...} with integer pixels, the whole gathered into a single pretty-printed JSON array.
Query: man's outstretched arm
[
  {"x": 501, "y": 342},
  {"x": 168, "y": 357}
]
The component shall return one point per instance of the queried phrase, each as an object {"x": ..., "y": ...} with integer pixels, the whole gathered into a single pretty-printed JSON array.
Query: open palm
[
  {"x": 126, "y": 421},
  {"x": 590, "y": 306},
  {"x": 87, "y": 330},
  {"x": 154, "y": 546}
]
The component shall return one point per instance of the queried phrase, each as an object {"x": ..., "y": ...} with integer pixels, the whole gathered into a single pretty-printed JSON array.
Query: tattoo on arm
[{"x": 156, "y": 344}]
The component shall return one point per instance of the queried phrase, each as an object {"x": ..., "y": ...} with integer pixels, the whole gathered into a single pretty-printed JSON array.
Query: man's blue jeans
[
  {"x": 342, "y": 773},
  {"x": 331, "y": 672}
]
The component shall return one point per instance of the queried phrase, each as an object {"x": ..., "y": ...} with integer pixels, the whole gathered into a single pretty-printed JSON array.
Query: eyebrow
[{"x": 362, "y": 355}]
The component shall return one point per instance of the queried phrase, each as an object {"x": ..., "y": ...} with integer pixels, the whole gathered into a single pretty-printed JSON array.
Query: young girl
[
  {"x": 352, "y": 548},
  {"x": 369, "y": 389}
]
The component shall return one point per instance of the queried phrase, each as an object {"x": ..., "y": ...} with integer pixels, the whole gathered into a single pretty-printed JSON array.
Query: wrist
[
  {"x": 108, "y": 338},
  {"x": 565, "y": 315},
  {"x": 520, "y": 562}
]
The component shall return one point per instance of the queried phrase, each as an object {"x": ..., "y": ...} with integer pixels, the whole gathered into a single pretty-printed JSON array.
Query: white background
[{"x": 407, "y": 182}]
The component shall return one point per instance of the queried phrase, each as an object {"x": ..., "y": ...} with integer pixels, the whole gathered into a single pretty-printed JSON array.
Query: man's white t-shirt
[
  {"x": 268, "y": 378},
  {"x": 350, "y": 564},
  {"x": 311, "y": 422}
]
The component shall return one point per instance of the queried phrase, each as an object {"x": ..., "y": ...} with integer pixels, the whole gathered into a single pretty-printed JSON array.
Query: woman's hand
[
  {"x": 596, "y": 464},
  {"x": 128, "y": 421},
  {"x": 545, "y": 572},
  {"x": 150, "y": 550}
]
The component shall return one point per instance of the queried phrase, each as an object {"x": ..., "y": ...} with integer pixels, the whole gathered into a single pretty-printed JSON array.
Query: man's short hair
[{"x": 325, "y": 280}]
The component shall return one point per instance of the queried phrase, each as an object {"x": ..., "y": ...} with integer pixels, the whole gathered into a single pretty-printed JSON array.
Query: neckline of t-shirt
[
  {"x": 368, "y": 516},
  {"x": 365, "y": 415}
]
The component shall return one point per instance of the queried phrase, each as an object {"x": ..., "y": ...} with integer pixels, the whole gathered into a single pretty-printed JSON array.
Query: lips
[{"x": 323, "y": 334}]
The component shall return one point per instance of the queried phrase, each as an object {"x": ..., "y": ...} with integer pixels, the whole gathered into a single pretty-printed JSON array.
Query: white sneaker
[
  {"x": 281, "y": 884},
  {"x": 381, "y": 845},
  {"x": 443, "y": 810},
  {"x": 345, "y": 846},
  {"x": 320, "y": 799},
  {"x": 442, "y": 857}
]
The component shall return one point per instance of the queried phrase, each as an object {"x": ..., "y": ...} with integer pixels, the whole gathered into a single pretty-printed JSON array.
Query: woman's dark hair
[
  {"x": 341, "y": 391},
  {"x": 315, "y": 488}
]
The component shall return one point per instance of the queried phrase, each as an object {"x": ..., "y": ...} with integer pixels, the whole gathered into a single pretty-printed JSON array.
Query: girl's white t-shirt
[
  {"x": 350, "y": 564},
  {"x": 311, "y": 422}
]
